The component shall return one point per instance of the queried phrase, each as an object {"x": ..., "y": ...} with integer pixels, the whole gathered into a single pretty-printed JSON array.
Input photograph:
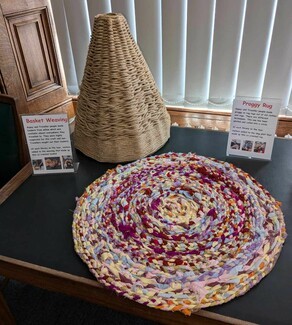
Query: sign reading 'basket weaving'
[
  {"x": 120, "y": 115},
  {"x": 178, "y": 231}
]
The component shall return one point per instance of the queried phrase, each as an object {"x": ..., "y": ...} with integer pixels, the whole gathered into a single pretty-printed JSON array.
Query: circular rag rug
[{"x": 178, "y": 231}]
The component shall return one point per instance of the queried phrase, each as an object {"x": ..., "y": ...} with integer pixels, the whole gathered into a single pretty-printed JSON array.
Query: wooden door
[{"x": 30, "y": 64}]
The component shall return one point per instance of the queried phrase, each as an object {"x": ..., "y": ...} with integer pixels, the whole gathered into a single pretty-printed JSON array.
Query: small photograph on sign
[
  {"x": 235, "y": 144},
  {"x": 38, "y": 164},
  {"x": 67, "y": 162},
  {"x": 247, "y": 145},
  {"x": 260, "y": 147},
  {"x": 53, "y": 163}
]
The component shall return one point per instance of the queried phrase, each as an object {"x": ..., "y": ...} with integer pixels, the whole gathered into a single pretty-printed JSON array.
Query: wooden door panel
[
  {"x": 10, "y": 80},
  {"x": 11, "y": 6},
  {"x": 3, "y": 89},
  {"x": 30, "y": 62},
  {"x": 31, "y": 38}
]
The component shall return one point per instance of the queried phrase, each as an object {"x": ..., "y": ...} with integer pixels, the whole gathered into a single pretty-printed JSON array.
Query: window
[{"x": 202, "y": 53}]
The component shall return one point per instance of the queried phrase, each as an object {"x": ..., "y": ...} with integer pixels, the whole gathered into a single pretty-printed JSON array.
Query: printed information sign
[
  {"x": 253, "y": 127},
  {"x": 48, "y": 139}
]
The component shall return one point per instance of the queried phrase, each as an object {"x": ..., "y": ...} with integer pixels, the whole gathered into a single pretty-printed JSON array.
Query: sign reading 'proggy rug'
[{"x": 253, "y": 127}]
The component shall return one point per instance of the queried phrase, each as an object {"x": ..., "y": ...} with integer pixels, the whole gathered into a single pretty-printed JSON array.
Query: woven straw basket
[{"x": 120, "y": 115}]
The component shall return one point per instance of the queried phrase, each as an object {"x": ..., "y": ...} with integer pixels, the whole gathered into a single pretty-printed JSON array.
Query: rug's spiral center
[{"x": 178, "y": 209}]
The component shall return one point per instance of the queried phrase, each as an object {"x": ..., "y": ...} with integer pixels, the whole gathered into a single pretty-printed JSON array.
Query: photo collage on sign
[
  {"x": 49, "y": 143},
  {"x": 247, "y": 145},
  {"x": 52, "y": 163}
]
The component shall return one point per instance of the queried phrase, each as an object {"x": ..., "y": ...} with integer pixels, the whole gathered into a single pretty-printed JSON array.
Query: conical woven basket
[{"x": 120, "y": 115}]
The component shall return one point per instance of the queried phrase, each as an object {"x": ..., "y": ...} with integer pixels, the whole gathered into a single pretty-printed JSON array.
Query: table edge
[
  {"x": 93, "y": 292},
  {"x": 15, "y": 182}
]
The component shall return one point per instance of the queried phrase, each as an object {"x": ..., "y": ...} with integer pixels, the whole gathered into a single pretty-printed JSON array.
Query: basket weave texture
[{"x": 120, "y": 115}]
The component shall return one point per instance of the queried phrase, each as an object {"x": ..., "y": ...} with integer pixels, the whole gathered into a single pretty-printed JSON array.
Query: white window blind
[
  {"x": 174, "y": 21},
  {"x": 200, "y": 27},
  {"x": 79, "y": 30},
  {"x": 289, "y": 107},
  {"x": 149, "y": 35},
  {"x": 202, "y": 53},
  {"x": 228, "y": 29},
  {"x": 100, "y": 6}
]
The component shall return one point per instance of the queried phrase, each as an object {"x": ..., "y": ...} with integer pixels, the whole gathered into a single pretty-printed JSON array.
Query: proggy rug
[{"x": 178, "y": 231}]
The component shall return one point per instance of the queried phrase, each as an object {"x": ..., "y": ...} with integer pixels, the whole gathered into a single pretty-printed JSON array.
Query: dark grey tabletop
[{"x": 35, "y": 222}]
